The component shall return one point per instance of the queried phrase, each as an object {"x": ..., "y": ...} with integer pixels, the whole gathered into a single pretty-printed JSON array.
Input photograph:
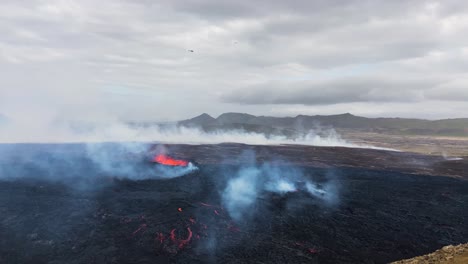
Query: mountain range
[{"x": 346, "y": 122}]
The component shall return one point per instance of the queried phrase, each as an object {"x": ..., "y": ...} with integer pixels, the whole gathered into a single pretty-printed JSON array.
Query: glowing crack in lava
[
  {"x": 185, "y": 233},
  {"x": 168, "y": 161},
  {"x": 168, "y": 167},
  {"x": 181, "y": 242}
]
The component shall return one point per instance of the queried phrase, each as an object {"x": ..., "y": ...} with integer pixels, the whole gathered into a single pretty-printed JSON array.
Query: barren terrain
[
  {"x": 431, "y": 145},
  {"x": 391, "y": 206},
  {"x": 447, "y": 255}
]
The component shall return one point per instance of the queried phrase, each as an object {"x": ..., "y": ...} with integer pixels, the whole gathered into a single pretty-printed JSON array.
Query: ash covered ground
[{"x": 106, "y": 203}]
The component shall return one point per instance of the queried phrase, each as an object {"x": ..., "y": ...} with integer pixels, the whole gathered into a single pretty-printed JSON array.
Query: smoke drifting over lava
[
  {"x": 255, "y": 180},
  {"x": 122, "y": 132},
  {"x": 132, "y": 161},
  {"x": 81, "y": 165}
]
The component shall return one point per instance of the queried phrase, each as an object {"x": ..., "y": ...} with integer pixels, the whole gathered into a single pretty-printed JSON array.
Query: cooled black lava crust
[{"x": 381, "y": 216}]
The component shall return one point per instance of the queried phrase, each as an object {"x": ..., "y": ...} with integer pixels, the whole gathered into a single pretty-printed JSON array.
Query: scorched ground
[{"x": 383, "y": 215}]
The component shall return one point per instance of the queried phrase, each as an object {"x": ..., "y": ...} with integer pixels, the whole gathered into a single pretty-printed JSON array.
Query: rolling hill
[{"x": 347, "y": 121}]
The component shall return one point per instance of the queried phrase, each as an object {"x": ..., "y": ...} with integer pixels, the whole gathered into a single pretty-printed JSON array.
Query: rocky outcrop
[{"x": 448, "y": 254}]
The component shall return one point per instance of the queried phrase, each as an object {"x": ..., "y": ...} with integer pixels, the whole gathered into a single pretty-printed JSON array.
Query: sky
[{"x": 132, "y": 60}]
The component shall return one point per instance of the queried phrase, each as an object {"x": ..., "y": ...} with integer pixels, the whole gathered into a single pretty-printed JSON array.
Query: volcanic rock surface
[
  {"x": 327, "y": 157},
  {"x": 391, "y": 206}
]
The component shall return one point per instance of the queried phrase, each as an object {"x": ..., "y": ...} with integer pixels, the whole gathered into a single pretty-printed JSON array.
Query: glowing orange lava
[
  {"x": 181, "y": 242},
  {"x": 166, "y": 160}
]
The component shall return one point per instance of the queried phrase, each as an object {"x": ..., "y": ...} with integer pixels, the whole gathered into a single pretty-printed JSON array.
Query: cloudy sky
[{"x": 131, "y": 59}]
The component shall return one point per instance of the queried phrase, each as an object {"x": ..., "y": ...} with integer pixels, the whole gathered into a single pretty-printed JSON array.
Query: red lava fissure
[
  {"x": 181, "y": 242},
  {"x": 141, "y": 227},
  {"x": 168, "y": 161},
  {"x": 304, "y": 247},
  {"x": 179, "y": 238}
]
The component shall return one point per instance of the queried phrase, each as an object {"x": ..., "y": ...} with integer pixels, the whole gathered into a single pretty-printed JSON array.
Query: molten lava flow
[
  {"x": 161, "y": 237},
  {"x": 310, "y": 250},
  {"x": 166, "y": 160},
  {"x": 313, "y": 251},
  {"x": 141, "y": 227},
  {"x": 181, "y": 242}
]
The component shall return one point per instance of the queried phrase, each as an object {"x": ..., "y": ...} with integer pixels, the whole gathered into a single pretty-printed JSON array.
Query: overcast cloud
[{"x": 130, "y": 59}]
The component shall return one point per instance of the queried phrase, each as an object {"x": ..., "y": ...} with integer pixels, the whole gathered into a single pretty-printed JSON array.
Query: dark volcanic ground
[{"x": 59, "y": 206}]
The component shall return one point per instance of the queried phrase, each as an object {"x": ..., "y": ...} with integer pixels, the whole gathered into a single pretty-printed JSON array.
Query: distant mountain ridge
[{"x": 347, "y": 121}]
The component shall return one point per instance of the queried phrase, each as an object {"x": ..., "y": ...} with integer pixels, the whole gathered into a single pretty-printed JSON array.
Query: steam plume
[
  {"x": 251, "y": 181},
  {"x": 122, "y": 132},
  {"x": 83, "y": 164}
]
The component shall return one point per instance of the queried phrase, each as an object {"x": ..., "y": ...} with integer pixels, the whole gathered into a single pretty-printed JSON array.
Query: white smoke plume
[
  {"x": 130, "y": 160},
  {"x": 241, "y": 192},
  {"x": 84, "y": 164},
  {"x": 251, "y": 181},
  {"x": 122, "y": 132}
]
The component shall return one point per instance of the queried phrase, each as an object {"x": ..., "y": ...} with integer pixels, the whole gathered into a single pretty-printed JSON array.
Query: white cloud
[{"x": 72, "y": 59}]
